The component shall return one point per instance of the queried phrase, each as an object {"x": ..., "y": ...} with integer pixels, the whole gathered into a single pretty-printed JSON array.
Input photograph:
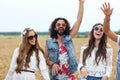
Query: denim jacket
[{"x": 53, "y": 49}]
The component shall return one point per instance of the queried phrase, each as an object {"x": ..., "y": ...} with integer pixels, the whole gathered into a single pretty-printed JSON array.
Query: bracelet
[
  {"x": 106, "y": 20},
  {"x": 52, "y": 64}
]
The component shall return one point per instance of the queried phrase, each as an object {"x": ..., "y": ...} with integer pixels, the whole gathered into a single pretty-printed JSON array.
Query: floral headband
[{"x": 25, "y": 31}]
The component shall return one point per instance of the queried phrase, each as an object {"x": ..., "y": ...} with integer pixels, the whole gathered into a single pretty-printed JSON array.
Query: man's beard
[{"x": 60, "y": 31}]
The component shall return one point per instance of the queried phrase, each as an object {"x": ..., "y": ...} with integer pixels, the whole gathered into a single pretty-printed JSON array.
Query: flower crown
[{"x": 23, "y": 33}]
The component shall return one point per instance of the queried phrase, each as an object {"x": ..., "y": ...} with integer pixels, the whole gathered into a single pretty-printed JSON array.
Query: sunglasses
[
  {"x": 58, "y": 24},
  {"x": 100, "y": 29},
  {"x": 31, "y": 37}
]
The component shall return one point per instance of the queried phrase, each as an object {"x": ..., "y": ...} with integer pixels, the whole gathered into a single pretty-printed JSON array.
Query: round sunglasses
[{"x": 100, "y": 29}]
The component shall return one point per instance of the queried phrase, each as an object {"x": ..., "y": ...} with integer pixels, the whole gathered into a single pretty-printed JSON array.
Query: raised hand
[{"x": 106, "y": 9}]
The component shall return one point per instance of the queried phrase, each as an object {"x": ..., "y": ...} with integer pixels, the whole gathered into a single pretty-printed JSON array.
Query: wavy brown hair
[
  {"x": 101, "y": 52},
  {"x": 26, "y": 56}
]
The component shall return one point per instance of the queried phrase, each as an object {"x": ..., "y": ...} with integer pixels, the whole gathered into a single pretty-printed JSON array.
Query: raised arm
[
  {"x": 107, "y": 12},
  {"x": 76, "y": 26}
]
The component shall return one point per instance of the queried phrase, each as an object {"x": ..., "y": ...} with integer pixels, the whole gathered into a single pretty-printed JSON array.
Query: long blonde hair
[{"x": 26, "y": 56}]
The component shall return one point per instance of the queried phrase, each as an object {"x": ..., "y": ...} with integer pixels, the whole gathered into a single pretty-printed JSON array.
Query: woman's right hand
[
  {"x": 84, "y": 72},
  {"x": 55, "y": 69}
]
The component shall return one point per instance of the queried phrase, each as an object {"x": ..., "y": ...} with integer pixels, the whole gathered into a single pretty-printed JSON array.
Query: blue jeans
[
  {"x": 118, "y": 70},
  {"x": 92, "y": 78}
]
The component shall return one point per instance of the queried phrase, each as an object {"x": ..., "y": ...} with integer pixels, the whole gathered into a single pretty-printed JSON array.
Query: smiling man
[{"x": 60, "y": 51}]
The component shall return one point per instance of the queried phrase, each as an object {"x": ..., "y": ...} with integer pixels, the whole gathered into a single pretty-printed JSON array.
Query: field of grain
[{"x": 9, "y": 43}]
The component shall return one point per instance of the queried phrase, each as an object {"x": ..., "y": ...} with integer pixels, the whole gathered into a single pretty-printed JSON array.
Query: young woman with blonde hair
[{"x": 27, "y": 59}]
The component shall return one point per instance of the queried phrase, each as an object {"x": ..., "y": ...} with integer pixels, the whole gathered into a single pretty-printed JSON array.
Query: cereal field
[{"x": 9, "y": 43}]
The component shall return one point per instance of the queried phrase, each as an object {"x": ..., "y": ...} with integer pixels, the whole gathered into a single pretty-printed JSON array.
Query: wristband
[
  {"x": 106, "y": 20},
  {"x": 52, "y": 64}
]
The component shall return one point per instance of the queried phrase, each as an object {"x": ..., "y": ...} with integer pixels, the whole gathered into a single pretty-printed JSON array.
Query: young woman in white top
[
  {"x": 27, "y": 59},
  {"x": 96, "y": 56}
]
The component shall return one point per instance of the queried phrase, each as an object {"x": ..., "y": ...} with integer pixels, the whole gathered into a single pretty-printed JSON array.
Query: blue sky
[{"x": 15, "y": 15}]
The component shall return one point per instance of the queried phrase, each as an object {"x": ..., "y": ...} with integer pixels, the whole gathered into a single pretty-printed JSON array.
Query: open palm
[{"x": 106, "y": 9}]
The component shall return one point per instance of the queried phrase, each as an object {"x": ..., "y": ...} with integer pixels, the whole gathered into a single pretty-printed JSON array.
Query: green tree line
[{"x": 79, "y": 35}]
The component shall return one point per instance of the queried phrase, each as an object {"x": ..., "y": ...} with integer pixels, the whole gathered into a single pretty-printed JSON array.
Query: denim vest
[{"x": 53, "y": 49}]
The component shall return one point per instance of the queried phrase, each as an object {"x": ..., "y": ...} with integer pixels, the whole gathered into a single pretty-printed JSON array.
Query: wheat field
[{"x": 9, "y": 43}]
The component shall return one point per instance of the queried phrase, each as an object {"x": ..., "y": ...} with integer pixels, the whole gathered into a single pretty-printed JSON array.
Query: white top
[
  {"x": 100, "y": 70},
  {"x": 12, "y": 75}
]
